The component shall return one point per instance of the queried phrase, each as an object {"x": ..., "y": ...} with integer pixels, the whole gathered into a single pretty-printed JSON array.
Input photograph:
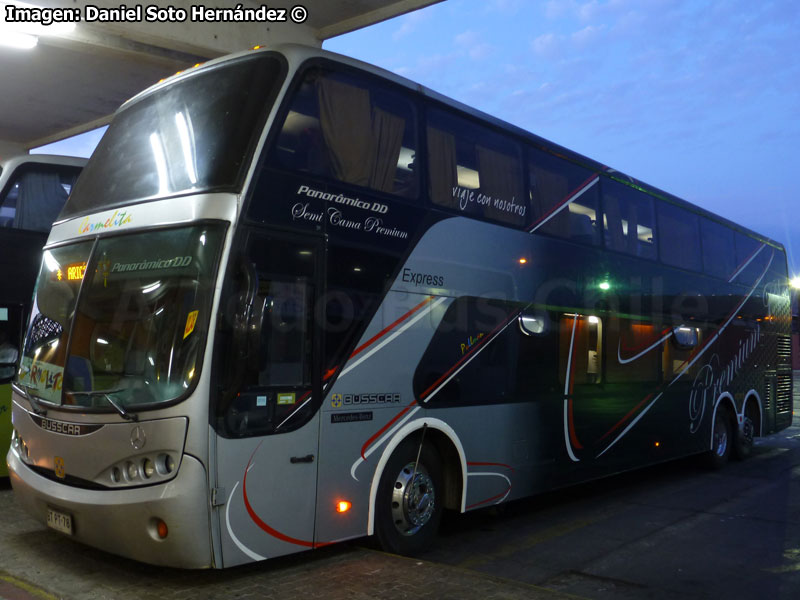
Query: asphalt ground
[{"x": 668, "y": 532}]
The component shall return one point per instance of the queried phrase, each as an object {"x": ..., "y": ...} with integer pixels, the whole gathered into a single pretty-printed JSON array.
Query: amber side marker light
[
  {"x": 161, "y": 529},
  {"x": 343, "y": 506}
]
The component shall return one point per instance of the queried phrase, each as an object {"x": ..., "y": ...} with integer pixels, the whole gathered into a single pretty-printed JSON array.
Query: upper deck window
[
  {"x": 629, "y": 220},
  {"x": 474, "y": 170},
  {"x": 680, "y": 237},
  {"x": 196, "y": 134},
  {"x": 347, "y": 128},
  {"x": 563, "y": 198}
]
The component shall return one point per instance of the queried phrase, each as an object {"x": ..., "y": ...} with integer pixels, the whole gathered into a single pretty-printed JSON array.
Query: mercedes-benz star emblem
[{"x": 138, "y": 438}]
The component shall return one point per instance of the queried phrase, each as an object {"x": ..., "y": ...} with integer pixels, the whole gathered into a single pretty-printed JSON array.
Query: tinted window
[
  {"x": 679, "y": 237},
  {"x": 474, "y": 170},
  {"x": 465, "y": 334},
  {"x": 628, "y": 220},
  {"x": 346, "y": 128},
  {"x": 195, "y": 134},
  {"x": 35, "y": 195},
  {"x": 750, "y": 259},
  {"x": 719, "y": 255},
  {"x": 267, "y": 389},
  {"x": 563, "y": 198}
]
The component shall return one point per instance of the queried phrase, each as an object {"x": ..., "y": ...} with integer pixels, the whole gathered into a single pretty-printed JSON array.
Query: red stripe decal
[
  {"x": 490, "y": 464},
  {"x": 386, "y": 330},
  {"x": 626, "y": 417},
  {"x": 273, "y": 532},
  {"x": 473, "y": 350},
  {"x": 502, "y": 494},
  {"x": 368, "y": 443},
  {"x": 573, "y": 438}
]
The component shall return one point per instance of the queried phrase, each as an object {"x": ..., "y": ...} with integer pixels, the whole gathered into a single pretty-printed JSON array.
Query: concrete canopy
[{"x": 72, "y": 82}]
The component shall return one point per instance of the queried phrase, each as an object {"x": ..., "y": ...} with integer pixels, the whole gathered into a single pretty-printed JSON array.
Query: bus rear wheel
[
  {"x": 408, "y": 505},
  {"x": 743, "y": 441},
  {"x": 721, "y": 439}
]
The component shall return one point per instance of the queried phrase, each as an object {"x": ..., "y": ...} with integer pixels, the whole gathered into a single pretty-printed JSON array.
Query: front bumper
[{"x": 123, "y": 521}]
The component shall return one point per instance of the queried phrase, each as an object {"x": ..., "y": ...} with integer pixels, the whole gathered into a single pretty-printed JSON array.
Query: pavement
[
  {"x": 650, "y": 534},
  {"x": 36, "y": 563}
]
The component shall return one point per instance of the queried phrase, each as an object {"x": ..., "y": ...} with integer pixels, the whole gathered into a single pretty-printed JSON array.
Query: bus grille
[
  {"x": 783, "y": 394},
  {"x": 784, "y": 346}
]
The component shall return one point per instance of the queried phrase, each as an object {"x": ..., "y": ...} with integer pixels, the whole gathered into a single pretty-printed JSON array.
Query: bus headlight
[{"x": 148, "y": 468}]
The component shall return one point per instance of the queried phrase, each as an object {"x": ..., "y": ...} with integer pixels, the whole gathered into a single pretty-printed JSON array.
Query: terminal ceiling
[{"x": 73, "y": 82}]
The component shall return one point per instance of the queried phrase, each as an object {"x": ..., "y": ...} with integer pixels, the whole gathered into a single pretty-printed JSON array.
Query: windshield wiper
[
  {"x": 107, "y": 395},
  {"x": 32, "y": 400}
]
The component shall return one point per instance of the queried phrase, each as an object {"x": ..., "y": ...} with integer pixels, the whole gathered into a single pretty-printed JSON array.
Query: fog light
[
  {"x": 161, "y": 529},
  {"x": 116, "y": 475}
]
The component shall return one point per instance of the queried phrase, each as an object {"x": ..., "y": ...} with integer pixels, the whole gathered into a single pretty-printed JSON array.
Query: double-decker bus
[
  {"x": 33, "y": 189},
  {"x": 307, "y": 300}
]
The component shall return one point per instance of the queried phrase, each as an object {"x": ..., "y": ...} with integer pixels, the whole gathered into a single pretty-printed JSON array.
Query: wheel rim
[
  {"x": 413, "y": 502},
  {"x": 748, "y": 429},
  {"x": 720, "y": 436}
]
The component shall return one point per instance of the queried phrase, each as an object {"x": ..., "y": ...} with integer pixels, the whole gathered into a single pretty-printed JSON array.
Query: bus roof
[{"x": 297, "y": 54}]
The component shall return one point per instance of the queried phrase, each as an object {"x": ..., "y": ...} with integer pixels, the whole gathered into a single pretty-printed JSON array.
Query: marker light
[
  {"x": 594, "y": 320},
  {"x": 161, "y": 529},
  {"x": 343, "y": 506},
  {"x": 795, "y": 283},
  {"x": 522, "y": 261}
]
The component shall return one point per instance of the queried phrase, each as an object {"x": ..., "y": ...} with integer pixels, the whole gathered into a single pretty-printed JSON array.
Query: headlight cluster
[
  {"x": 19, "y": 446},
  {"x": 143, "y": 469}
]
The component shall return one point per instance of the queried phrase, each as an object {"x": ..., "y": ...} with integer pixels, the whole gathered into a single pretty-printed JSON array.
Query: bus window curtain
[
  {"x": 633, "y": 229},
  {"x": 442, "y": 167},
  {"x": 388, "y": 132},
  {"x": 345, "y": 120},
  {"x": 548, "y": 190},
  {"x": 615, "y": 238},
  {"x": 500, "y": 180},
  {"x": 41, "y": 198}
]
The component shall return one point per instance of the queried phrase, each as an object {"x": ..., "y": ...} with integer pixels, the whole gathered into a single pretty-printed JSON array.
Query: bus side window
[
  {"x": 9, "y": 337},
  {"x": 631, "y": 357},
  {"x": 35, "y": 196},
  {"x": 270, "y": 372},
  {"x": 346, "y": 128},
  {"x": 475, "y": 170},
  {"x": 750, "y": 262},
  {"x": 580, "y": 349},
  {"x": 719, "y": 254},
  {"x": 679, "y": 237},
  {"x": 628, "y": 220},
  {"x": 554, "y": 181}
]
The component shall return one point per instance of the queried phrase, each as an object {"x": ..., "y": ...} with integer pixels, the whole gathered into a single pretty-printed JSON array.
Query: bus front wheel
[{"x": 408, "y": 505}]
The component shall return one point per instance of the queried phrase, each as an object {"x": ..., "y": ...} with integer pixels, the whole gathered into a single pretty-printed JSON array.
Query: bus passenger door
[{"x": 267, "y": 422}]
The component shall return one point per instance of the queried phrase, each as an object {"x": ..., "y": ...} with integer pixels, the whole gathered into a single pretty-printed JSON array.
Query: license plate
[{"x": 59, "y": 521}]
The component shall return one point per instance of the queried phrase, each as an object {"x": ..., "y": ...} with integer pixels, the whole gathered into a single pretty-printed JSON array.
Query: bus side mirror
[{"x": 685, "y": 338}]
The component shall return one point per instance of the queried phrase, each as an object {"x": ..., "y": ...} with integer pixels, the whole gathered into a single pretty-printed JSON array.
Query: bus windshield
[
  {"x": 194, "y": 135},
  {"x": 122, "y": 319}
]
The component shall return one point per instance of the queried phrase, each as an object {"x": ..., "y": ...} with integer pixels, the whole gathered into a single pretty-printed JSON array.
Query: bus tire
[
  {"x": 721, "y": 439},
  {"x": 408, "y": 505},
  {"x": 743, "y": 439}
]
